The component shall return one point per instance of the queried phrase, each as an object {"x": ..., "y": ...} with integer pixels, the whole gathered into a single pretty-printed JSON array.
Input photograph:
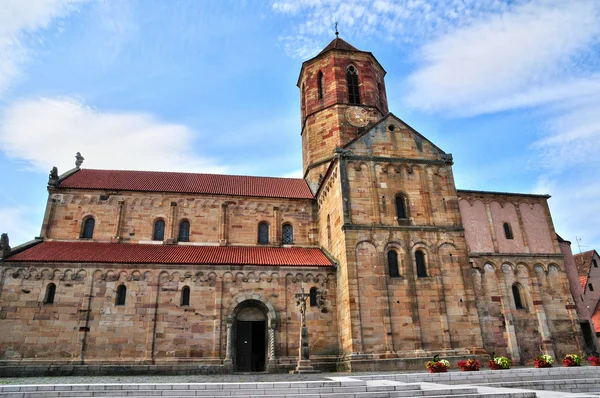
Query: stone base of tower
[{"x": 407, "y": 360}]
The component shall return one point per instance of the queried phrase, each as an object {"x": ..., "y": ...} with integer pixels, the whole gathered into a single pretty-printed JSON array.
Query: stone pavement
[{"x": 513, "y": 383}]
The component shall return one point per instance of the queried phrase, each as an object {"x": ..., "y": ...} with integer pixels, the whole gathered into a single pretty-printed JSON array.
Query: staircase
[{"x": 343, "y": 387}]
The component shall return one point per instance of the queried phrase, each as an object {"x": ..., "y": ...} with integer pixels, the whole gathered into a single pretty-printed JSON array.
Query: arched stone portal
[{"x": 251, "y": 335}]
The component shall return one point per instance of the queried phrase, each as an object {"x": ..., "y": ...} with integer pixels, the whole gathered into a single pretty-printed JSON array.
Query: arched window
[
  {"x": 159, "y": 230},
  {"x": 88, "y": 228},
  {"x": 328, "y": 232},
  {"x": 184, "y": 231},
  {"x": 288, "y": 234},
  {"x": 185, "y": 296},
  {"x": 263, "y": 233},
  {"x": 508, "y": 231},
  {"x": 352, "y": 80},
  {"x": 401, "y": 207},
  {"x": 421, "y": 266},
  {"x": 392, "y": 258},
  {"x": 313, "y": 297},
  {"x": 517, "y": 296},
  {"x": 121, "y": 295},
  {"x": 50, "y": 292},
  {"x": 320, "y": 84}
]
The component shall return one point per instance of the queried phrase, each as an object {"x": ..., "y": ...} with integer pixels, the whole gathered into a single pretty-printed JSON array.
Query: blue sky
[{"x": 510, "y": 88}]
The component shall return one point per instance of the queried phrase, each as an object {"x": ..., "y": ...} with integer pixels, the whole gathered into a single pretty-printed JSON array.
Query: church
[{"x": 144, "y": 271}]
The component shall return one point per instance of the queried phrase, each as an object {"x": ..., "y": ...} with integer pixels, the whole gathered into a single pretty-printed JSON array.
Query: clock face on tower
[{"x": 357, "y": 116}]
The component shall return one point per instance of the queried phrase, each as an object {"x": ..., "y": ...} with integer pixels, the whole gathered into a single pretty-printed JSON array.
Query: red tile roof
[
  {"x": 583, "y": 282},
  {"x": 339, "y": 44},
  {"x": 583, "y": 262},
  {"x": 96, "y": 252},
  {"x": 214, "y": 184}
]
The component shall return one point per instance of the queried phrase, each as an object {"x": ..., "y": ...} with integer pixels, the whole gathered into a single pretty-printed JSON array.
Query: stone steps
[{"x": 321, "y": 389}]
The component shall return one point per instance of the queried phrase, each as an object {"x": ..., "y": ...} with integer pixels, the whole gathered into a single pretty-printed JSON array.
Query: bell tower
[{"x": 342, "y": 93}]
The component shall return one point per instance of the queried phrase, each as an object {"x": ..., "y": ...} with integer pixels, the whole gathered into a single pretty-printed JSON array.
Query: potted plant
[
  {"x": 469, "y": 365},
  {"x": 571, "y": 360},
  {"x": 437, "y": 365},
  {"x": 498, "y": 362},
  {"x": 594, "y": 360},
  {"x": 543, "y": 361}
]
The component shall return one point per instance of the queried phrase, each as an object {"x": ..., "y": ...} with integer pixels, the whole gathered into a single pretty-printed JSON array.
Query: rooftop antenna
[
  {"x": 578, "y": 245},
  {"x": 336, "y": 30}
]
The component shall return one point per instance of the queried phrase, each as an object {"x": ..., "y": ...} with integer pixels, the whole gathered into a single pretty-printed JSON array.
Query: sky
[{"x": 510, "y": 88}]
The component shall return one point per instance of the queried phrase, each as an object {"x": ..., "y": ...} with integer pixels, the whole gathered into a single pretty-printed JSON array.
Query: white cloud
[
  {"x": 48, "y": 132},
  {"x": 18, "y": 20},
  {"x": 16, "y": 222},
  {"x": 404, "y": 21},
  {"x": 520, "y": 57}
]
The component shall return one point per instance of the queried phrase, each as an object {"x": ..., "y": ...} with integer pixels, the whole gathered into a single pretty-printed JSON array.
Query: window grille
[
  {"x": 184, "y": 231},
  {"x": 159, "y": 230},
  {"x": 288, "y": 234},
  {"x": 517, "y": 296},
  {"x": 121, "y": 295},
  {"x": 185, "y": 296},
  {"x": 508, "y": 231},
  {"x": 88, "y": 228},
  {"x": 313, "y": 297},
  {"x": 393, "y": 264},
  {"x": 353, "y": 90},
  {"x": 263, "y": 233},
  {"x": 320, "y": 84},
  {"x": 50, "y": 292},
  {"x": 401, "y": 207},
  {"x": 421, "y": 265}
]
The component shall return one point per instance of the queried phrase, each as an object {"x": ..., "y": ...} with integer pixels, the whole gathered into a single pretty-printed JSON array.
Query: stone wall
[
  {"x": 152, "y": 326},
  {"x": 213, "y": 219}
]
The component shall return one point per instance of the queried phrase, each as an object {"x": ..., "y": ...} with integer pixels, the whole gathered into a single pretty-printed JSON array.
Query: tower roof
[{"x": 339, "y": 44}]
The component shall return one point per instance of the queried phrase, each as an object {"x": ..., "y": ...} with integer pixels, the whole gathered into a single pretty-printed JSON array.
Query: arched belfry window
[
  {"x": 508, "y": 233},
  {"x": 88, "y": 228},
  {"x": 313, "y": 297},
  {"x": 121, "y": 295},
  {"x": 381, "y": 96},
  {"x": 263, "y": 233},
  {"x": 287, "y": 234},
  {"x": 352, "y": 80},
  {"x": 320, "y": 84},
  {"x": 392, "y": 258},
  {"x": 401, "y": 207},
  {"x": 185, "y": 296},
  {"x": 184, "y": 231},
  {"x": 421, "y": 264},
  {"x": 516, "y": 291},
  {"x": 159, "y": 230},
  {"x": 50, "y": 292}
]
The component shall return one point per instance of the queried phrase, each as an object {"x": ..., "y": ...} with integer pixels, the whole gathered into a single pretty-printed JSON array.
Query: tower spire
[{"x": 336, "y": 30}]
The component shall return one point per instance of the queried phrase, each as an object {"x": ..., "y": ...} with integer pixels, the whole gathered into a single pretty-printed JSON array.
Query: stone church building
[{"x": 185, "y": 271}]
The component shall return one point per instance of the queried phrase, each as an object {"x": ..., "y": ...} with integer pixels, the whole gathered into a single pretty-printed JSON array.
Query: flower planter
[
  {"x": 438, "y": 370},
  {"x": 567, "y": 365},
  {"x": 542, "y": 365},
  {"x": 494, "y": 366},
  {"x": 468, "y": 369}
]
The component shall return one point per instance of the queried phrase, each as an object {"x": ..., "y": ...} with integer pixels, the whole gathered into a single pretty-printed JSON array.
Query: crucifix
[{"x": 304, "y": 365}]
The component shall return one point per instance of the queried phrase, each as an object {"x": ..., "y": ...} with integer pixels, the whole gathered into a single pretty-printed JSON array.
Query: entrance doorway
[{"x": 251, "y": 340}]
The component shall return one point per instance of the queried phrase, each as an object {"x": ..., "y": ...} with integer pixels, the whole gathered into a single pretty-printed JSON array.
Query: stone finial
[
  {"x": 447, "y": 158},
  {"x": 4, "y": 245},
  {"x": 78, "y": 160},
  {"x": 53, "y": 177}
]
